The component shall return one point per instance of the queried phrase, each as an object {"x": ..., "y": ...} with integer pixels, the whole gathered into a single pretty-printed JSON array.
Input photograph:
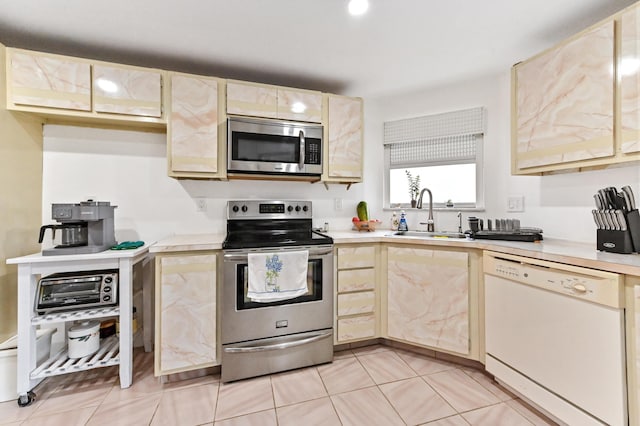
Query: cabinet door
[
  {"x": 193, "y": 124},
  {"x": 130, "y": 91},
  {"x": 185, "y": 312},
  {"x": 629, "y": 70},
  {"x": 300, "y": 105},
  {"x": 564, "y": 102},
  {"x": 345, "y": 138},
  {"x": 252, "y": 99},
  {"x": 49, "y": 81},
  {"x": 428, "y": 297}
]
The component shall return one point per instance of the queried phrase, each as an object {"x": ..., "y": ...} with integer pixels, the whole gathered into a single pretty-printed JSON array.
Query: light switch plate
[{"x": 515, "y": 203}]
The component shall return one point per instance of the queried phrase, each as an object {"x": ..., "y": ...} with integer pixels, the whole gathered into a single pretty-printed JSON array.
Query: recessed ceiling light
[{"x": 358, "y": 7}]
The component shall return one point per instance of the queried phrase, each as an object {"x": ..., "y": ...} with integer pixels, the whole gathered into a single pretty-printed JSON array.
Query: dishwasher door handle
[{"x": 279, "y": 346}]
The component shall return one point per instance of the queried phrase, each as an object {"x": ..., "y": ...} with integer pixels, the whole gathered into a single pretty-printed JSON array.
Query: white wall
[
  {"x": 129, "y": 169},
  {"x": 559, "y": 204}
]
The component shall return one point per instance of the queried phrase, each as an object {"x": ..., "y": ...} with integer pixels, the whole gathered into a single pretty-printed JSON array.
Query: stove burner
[{"x": 259, "y": 224}]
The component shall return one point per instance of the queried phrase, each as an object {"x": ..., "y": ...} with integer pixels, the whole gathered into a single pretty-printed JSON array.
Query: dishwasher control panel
[{"x": 589, "y": 284}]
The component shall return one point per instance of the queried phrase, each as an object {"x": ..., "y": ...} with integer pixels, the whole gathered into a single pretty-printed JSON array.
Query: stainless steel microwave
[{"x": 273, "y": 147}]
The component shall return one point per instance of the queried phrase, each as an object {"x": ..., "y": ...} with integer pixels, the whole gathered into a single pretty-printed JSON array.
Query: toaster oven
[{"x": 76, "y": 290}]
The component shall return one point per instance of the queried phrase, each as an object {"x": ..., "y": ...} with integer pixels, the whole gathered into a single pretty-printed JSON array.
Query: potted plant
[{"x": 414, "y": 187}]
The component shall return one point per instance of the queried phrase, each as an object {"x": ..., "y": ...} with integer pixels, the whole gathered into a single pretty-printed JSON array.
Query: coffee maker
[{"x": 87, "y": 227}]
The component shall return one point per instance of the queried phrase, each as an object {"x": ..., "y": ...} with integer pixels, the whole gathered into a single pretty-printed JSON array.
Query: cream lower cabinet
[
  {"x": 186, "y": 325},
  {"x": 357, "y": 297},
  {"x": 344, "y": 131},
  {"x": 632, "y": 327},
  {"x": 192, "y": 130},
  {"x": 428, "y": 298}
]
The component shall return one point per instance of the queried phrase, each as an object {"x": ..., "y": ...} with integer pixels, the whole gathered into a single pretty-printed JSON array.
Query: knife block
[
  {"x": 633, "y": 226},
  {"x": 615, "y": 241}
]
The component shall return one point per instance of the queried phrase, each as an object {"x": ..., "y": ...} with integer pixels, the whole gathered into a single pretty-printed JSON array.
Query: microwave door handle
[{"x": 302, "y": 146}]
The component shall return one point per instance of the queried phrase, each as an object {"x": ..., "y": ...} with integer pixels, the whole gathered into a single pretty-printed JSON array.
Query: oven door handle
[
  {"x": 279, "y": 346},
  {"x": 242, "y": 257}
]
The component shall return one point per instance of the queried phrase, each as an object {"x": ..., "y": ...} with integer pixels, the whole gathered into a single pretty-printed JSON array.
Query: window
[{"x": 444, "y": 150}]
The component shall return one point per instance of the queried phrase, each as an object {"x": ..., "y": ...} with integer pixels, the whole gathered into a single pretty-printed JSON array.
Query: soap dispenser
[
  {"x": 402, "y": 226},
  {"x": 394, "y": 221}
]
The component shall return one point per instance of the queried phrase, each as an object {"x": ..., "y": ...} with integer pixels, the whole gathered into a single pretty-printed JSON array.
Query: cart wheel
[{"x": 26, "y": 400}]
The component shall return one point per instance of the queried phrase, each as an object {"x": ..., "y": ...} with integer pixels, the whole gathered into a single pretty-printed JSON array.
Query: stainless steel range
[{"x": 277, "y": 297}]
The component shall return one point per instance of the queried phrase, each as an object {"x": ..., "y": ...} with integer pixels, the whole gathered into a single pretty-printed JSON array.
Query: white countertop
[
  {"x": 107, "y": 254},
  {"x": 553, "y": 250}
]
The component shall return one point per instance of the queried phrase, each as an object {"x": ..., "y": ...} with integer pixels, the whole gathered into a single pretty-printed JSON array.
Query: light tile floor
[{"x": 374, "y": 385}]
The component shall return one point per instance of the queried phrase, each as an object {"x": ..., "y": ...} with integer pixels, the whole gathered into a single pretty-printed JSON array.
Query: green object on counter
[
  {"x": 128, "y": 245},
  {"x": 363, "y": 211}
]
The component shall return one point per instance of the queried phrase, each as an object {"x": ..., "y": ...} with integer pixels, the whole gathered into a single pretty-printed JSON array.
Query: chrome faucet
[{"x": 430, "y": 222}]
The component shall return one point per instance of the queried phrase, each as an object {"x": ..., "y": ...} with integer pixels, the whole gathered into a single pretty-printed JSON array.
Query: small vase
[
  {"x": 413, "y": 204},
  {"x": 272, "y": 283}
]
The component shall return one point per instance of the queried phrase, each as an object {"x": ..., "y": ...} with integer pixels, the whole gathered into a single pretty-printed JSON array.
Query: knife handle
[{"x": 622, "y": 220}]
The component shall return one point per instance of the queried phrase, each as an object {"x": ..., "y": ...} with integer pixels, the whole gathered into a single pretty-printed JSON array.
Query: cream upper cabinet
[
  {"x": 255, "y": 100},
  {"x": 52, "y": 81},
  {"x": 258, "y": 100},
  {"x": 428, "y": 298},
  {"x": 629, "y": 72},
  {"x": 299, "y": 105},
  {"x": 343, "y": 161},
  {"x": 192, "y": 130},
  {"x": 186, "y": 325},
  {"x": 127, "y": 90},
  {"x": 564, "y": 101}
]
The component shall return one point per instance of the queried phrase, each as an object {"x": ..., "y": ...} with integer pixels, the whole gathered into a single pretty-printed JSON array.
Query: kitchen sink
[{"x": 426, "y": 234}]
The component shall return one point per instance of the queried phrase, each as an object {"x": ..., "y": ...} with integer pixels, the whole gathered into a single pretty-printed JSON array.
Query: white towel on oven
[{"x": 277, "y": 275}]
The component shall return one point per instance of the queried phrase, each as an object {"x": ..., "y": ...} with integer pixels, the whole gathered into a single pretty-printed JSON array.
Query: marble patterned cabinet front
[
  {"x": 192, "y": 129},
  {"x": 83, "y": 90},
  {"x": 344, "y": 140},
  {"x": 356, "y": 301},
  {"x": 186, "y": 325},
  {"x": 632, "y": 327},
  {"x": 629, "y": 71},
  {"x": 260, "y": 100},
  {"x": 563, "y": 103},
  {"x": 127, "y": 90},
  {"x": 428, "y": 301},
  {"x": 52, "y": 81}
]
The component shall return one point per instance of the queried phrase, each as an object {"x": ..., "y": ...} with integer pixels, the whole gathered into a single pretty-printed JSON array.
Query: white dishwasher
[{"x": 555, "y": 335}]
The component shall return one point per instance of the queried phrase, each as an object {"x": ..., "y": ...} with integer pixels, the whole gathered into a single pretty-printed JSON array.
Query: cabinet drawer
[
  {"x": 356, "y": 328},
  {"x": 356, "y": 303},
  {"x": 356, "y": 257},
  {"x": 356, "y": 279}
]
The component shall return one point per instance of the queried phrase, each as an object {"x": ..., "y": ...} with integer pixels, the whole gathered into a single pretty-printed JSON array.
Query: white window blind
[{"x": 440, "y": 138}]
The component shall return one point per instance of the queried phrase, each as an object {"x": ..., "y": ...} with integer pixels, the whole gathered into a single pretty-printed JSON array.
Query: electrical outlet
[
  {"x": 515, "y": 203},
  {"x": 201, "y": 204},
  {"x": 338, "y": 203}
]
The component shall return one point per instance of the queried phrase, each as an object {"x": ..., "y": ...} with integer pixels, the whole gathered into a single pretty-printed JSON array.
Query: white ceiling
[{"x": 399, "y": 45}]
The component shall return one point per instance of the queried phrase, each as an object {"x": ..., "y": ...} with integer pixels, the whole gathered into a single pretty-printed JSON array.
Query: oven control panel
[{"x": 268, "y": 209}]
